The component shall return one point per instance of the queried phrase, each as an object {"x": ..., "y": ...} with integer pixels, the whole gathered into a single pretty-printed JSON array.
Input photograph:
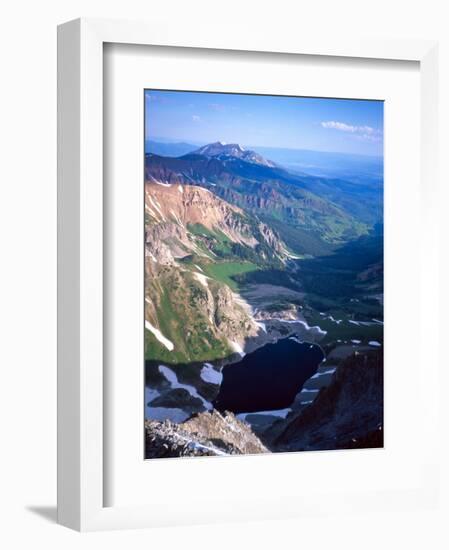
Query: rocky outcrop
[
  {"x": 193, "y": 220},
  {"x": 272, "y": 239},
  {"x": 205, "y": 434},
  {"x": 184, "y": 205},
  {"x": 172, "y": 398},
  {"x": 157, "y": 251},
  {"x": 346, "y": 414},
  {"x": 232, "y": 318}
]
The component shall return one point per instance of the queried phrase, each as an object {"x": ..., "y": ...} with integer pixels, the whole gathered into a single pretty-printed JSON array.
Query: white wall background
[{"x": 28, "y": 268}]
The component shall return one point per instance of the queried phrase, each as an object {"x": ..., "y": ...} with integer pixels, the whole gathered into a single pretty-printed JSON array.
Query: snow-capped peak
[{"x": 235, "y": 150}]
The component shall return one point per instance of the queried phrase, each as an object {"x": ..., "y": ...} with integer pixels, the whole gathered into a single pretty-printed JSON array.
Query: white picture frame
[{"x": 81, "y": 389}]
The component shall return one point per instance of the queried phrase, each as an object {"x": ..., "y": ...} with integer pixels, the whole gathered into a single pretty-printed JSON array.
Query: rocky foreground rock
[
  {"x": 205, "y": 434},
  {"x": 346, "y": 414}
]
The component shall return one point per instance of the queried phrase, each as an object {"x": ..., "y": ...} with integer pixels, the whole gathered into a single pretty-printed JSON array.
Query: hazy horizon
[{"x": 174, "y": 141}]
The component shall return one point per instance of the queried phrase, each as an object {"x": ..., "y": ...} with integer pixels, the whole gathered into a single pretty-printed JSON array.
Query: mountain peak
[{"x": 221, "y": 149}]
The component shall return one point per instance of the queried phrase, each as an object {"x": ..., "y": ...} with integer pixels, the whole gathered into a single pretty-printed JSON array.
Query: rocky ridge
[{"x": 205, "y": 434}]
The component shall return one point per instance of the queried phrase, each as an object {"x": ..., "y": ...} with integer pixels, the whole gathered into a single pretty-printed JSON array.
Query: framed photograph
[
  {"x": 244, "y": 267},
  {"x": 263, "y": 278}
]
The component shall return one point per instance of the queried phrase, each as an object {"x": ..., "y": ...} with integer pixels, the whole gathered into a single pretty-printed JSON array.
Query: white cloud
[
  {"x": 196, "y": 118},
  {"x": 361, "y": 132},
  {"x": 369, "y": 137}
]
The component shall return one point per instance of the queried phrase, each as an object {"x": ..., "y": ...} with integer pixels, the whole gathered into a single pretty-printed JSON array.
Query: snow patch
[
  {"x": 338, "y": 321},
  {"x": 153, "y": 202},
  {"x": 210, "y": 375},
  {"x": 315, "y": 328},
  {"x": 177, "y": 219},
  {"x": 365, "y": 323},
  {"x": 201, "y": 446},
  {"x": 281, "y": 413},
  {"x": 159, "y": 336},
  {"x": 148, "y": 209},
  {"x": 323, "y": 373},
  {"x": 164, "y": 184},
  {"x": 201, "y": 278},
  {"x": 290, "y": 255},
  {"x": 171, "y": 377},
  {"x": 237, "y": 348},
  {"x": 374, "y": 343}
]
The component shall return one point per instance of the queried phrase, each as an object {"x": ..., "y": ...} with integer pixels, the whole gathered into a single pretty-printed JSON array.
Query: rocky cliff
[
  {"x": 346, "y": 414},
  {"x": 179, "y": 213}
]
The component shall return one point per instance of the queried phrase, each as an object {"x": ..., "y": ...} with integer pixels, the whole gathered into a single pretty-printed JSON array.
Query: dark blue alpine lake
[{"x": 269, "y": 378}]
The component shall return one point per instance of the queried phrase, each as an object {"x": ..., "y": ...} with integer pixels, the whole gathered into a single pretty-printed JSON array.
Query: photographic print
[{"x": 263, "y": 274}]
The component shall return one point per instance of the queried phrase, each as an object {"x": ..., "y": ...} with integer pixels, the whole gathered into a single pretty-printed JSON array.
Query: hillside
[{"x": 195, "y": 245}]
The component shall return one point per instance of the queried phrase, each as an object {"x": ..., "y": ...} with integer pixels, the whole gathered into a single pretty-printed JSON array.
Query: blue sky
[{"x": 319, "y": 124}]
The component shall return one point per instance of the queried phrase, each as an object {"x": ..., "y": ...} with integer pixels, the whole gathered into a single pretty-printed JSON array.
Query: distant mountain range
[
  {"x": 355, "y": 168},
  {"x": 311, "y": 214},
  {"x": 175, "y": 149}
]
